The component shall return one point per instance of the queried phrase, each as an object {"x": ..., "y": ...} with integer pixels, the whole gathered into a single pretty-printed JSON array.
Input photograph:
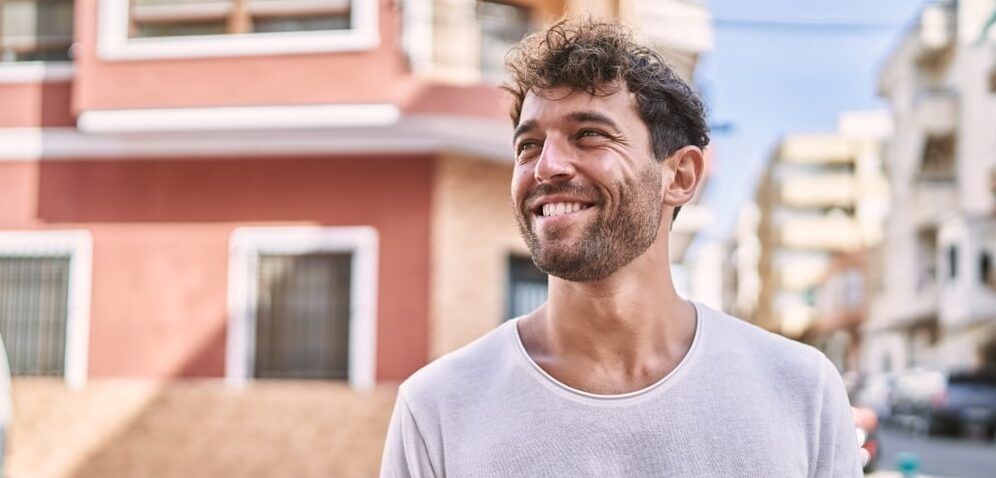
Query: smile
[{"x": 561, "y": 208}]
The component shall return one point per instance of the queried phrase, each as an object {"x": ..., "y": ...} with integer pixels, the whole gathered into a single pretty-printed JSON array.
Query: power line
[{"x": 747, "y": 23}]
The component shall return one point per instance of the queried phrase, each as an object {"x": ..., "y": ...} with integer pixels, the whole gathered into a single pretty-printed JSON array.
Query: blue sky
[{"x": 785, "y": 66}]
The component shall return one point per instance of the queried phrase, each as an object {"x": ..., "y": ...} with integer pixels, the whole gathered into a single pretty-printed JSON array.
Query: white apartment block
[
  {"x": 823, "y": 195},
  {"x": 938, "y": 306}
]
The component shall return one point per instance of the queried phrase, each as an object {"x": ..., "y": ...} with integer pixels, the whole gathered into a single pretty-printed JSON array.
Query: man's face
[{"x": 586, "y": 188}]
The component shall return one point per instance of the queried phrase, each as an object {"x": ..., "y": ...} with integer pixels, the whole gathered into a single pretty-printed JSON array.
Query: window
[
  {"x": 938, "y": 161},
  {"x": 302, "y": 304},
  {"x": 145, "y": 29},
  {"x": 527, "y": 288},
  {"x": 35, "y": 30},
  {"x": 952, "y": 262},
  {"x": 926, "y": 252},
  {"x": 302, "y": 317},
  {"x": 854, "y": 289},
  {"x": 169, "y": 18},
  {"x": 502, "y": 26},
  {"x": 45, "y": 303},
  {"x": 986, "y": 270},
  {"x": 809, "y": 296},
  {"x": 34, "y": 298}
]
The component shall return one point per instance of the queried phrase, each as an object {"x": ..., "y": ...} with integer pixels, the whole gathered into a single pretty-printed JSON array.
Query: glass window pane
[
  {"x": 300, "y": 24},
  {"x": 167, "y": 18},
  {"x": 179, "y": 29},
  {"x": 302, "y": 316},
  {"x": 501, "y": 27},
  {"x": 527, "y": 287},
  {"x": 34, "y": 294},
  {"x": 33, "y": 30}
]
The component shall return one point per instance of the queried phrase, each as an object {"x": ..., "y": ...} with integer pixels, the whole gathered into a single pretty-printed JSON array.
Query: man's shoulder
[
  {"x": 461, "y": 371},
  {"x": 743, "y": 342}
]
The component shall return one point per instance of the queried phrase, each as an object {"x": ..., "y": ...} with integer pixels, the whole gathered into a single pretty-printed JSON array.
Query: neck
[{"x": 629, "y": 329}]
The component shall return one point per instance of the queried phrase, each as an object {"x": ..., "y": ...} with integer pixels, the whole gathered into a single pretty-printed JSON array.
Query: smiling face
[{"x": 586, "y": 189}]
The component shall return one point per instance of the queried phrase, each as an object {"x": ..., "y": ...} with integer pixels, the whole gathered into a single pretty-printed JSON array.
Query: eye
[
  {"x": 590, "y": 133},
  {"x": 525, "y": 146}
]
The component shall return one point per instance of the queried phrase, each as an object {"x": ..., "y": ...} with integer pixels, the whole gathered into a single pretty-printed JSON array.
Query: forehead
[{"x": 553, "y": 104}]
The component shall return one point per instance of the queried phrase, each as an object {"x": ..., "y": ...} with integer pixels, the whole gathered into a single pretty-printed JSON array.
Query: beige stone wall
[
  {"x": 473, "y": 232},
  {"x": 129, "y": 428}
]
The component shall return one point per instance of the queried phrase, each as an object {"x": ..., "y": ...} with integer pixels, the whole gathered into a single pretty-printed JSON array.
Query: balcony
[
  {"x": 819, "y": 191},
  {"x": 681, "y": 30},
  {"x": 933, "y": 199},
  {"x": 832, "y": 233},
  {"x": 937, "y": 30},
  {"x": 799, "y": 273},
  {"x": 937, "y": 112},
  {"x": 816, "y": 149},
  {"x": 462, "y": 42}
]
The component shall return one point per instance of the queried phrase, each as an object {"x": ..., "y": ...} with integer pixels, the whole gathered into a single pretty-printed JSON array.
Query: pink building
[{"x": 291, "y": 205}]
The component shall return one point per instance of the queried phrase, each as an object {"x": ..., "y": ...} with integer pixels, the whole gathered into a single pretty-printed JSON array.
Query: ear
[{"x": 687, "y": 167}]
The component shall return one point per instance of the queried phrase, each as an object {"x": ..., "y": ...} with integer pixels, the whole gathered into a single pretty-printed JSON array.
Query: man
[{"x": 616, "y": 375}]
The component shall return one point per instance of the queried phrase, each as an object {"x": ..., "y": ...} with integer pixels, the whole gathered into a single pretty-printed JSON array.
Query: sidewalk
[{"x": 896, "y": 474}]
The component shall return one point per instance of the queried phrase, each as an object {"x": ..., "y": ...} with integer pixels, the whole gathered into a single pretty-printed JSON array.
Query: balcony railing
[
  {"x": 829, "y": 233},
  {"x": 933, "y": 199},
  {"x": 819, "y": 191}
]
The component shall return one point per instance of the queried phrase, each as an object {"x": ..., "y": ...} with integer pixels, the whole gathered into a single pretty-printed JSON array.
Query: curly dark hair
[{"x": 592, "y": 55}]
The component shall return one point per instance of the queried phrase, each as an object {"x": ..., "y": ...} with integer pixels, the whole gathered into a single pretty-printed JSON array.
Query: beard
[{"x": 605, "y": 245}]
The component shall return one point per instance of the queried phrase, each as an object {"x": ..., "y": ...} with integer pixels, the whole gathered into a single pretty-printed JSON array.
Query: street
[{"x": 939, "y": 456}]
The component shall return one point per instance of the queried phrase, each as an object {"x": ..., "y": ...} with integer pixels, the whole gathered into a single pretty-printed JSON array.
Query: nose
[{"x": 555, "y": 164}]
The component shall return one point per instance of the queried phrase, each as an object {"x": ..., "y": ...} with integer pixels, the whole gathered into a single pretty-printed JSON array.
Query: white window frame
[
  {"x": 78, "y": 244},
  {"x": 36, "y": 72},
  {"x": 245, "y": 247},
  {"x": 113, "y": 42}
]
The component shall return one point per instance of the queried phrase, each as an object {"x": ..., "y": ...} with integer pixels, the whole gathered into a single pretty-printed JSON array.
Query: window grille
[
  {"x": 34, "y": 296},
  {"x": 302, "y": 317},
  {"x": 527, "y": 287}
]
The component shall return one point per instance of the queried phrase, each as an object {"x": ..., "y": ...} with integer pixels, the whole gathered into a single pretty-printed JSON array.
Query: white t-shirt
[{"x": 742, "y": 402}]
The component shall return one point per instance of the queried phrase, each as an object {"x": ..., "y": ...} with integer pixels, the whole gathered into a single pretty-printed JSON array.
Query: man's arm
[
  {"x": 405, "y": 453},
  {"x": 838, "y": 441}
]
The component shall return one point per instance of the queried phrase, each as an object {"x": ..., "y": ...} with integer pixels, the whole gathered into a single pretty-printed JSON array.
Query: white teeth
[{"x": 556, "y": 209}]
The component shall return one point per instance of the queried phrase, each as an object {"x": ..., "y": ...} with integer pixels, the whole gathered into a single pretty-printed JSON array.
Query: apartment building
[
  {"x": 822, "y": 196},
  {"x": 230, "y": 227},
  {"x": 938, "y": 308}
]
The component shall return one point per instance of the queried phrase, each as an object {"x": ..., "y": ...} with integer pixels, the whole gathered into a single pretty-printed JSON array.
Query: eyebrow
[
  {"x": 523, "y": 128},
  {"x": 592, "y": 117},
  {"x": 575, "y": 117}
]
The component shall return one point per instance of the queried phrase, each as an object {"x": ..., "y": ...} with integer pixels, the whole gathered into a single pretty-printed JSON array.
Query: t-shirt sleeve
[
  {"x": 405, "y": 452},
  {"x": 838, "y": 442}
]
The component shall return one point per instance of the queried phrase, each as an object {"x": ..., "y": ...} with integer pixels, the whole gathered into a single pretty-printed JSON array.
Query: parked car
[
  {"x": 874, "y": 391},
  {"x": 913, "y": 394},
  {"x": 866, "y": 426},
  {"x": 967, "y": 401}
]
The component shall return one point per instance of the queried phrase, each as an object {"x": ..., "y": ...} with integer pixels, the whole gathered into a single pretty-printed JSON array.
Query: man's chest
[{"x": 653, "y": 441}]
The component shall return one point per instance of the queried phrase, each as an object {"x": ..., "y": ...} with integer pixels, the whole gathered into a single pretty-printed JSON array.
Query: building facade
[
  {"x": 822, "y": 195},
  {"x": 231, "y": 227},
  {"x": 938, "y": 308}
]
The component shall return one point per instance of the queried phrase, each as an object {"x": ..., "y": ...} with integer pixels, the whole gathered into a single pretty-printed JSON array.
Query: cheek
[{"x": 521, "y": 182}]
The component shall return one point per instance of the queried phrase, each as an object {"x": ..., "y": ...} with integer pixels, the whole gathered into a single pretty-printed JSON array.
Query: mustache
[{"x": 589, "y": 194}]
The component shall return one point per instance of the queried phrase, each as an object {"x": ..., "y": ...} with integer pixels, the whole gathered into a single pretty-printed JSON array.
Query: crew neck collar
[{"x": 572, "y": 393}]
